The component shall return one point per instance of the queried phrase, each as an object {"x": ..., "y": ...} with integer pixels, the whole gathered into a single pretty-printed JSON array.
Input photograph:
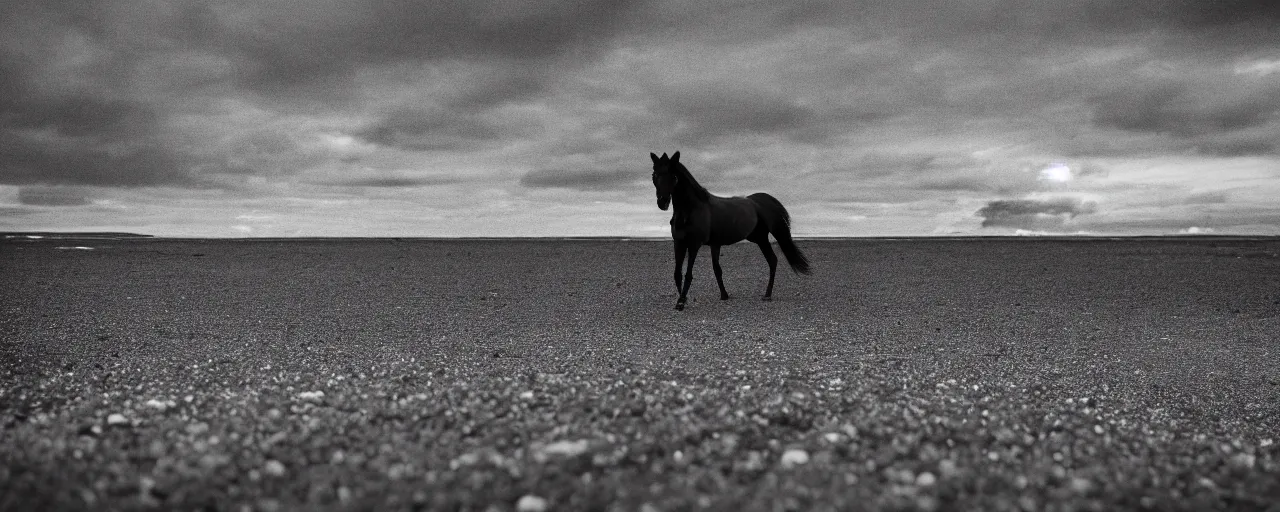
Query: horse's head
[{"x": 665, "y": 177}]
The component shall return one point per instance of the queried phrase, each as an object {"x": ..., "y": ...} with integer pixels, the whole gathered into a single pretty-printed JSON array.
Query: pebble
[
  {"x": 794, "y": 457},
  {"x": 268, "y": 505},
  {"x": 156, "y": 404},
  {"x": 947, "y": 468},
  {"x": 1081, "y": 485},
  {"x": 274, "y": 468},
  {"x": 116, "y": 418},
  {"x": 926, "y": 479},
  {"x": 565, "y": 448},
  {"x": 311, "y": 396},
  {"x": 1244, "y": 460},
  {"x": 531, "y": 503}
]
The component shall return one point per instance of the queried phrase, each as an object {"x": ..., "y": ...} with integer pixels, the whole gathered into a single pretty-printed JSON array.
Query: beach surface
[{"x": 555, "y": 375}]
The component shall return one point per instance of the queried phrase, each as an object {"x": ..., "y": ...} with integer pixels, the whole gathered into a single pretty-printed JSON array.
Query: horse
[{"x": 701, "y": 218}]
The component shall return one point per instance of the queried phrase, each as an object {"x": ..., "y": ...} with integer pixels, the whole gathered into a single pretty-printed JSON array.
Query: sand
[{"x": 918, "y": 374}]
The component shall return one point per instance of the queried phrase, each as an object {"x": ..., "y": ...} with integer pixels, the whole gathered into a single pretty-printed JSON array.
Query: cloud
[
  {"x": 13, "y": 211},
  {"x": 425, "y": 131},
  {"x": 52, "y": 196},
  {"x": 29, "y": 160},
  {"x": 53, "y": 137},
  {"x": 708, "y": 112},
  {"x": 287, "y": 47},
  {"x": 581, "y": 180},
  {"x": 1033, "y": 213},
  {"x": 1243, "y": 145},
  {"x": 393, "y": 181},
  {"x": 1172, "y": 107},
  {"x": 1207, "y": 198}
]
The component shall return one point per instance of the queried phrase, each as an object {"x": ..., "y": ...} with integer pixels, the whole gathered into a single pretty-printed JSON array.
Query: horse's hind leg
[
  {"x": 688, "y": 275},
  {"x": 715, "y": 265},
  {"x": 773, "y": 264}
]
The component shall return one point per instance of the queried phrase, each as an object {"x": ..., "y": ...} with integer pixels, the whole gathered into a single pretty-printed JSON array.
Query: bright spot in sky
[
  {"x": 1056, "y": 172},
  {"x": 1258, "y": 67}
]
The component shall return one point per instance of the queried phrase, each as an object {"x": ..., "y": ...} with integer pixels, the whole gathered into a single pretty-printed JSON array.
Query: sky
[{"x": 248, "y": 118}]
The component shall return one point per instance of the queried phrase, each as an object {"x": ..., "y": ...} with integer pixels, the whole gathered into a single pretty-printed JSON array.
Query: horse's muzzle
[{"x": 664, "y": 202}]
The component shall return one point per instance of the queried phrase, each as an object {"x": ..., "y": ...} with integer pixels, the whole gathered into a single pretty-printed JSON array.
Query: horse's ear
[
  {"x": 675, "y": 157},
  {"x": 654, "y": 157},
  {"x": 664, "y": 156}
]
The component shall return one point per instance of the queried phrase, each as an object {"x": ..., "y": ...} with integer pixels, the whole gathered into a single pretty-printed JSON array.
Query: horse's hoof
[
  {"x": 679, "y": 306},
  {"x": 724, "y": 296},
  {"x": 767, "y": 299}
]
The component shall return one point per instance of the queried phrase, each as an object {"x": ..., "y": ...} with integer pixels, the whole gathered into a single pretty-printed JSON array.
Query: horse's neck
[
  {"x": 689, "y": 188},
  {"x": 685, "y": 197}
]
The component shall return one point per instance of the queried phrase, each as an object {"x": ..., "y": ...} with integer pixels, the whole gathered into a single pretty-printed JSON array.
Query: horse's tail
[{"x": 778, "y": 221}]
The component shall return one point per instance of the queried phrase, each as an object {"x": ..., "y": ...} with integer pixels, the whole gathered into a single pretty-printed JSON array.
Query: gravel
[{"x": 539, "y": 375}]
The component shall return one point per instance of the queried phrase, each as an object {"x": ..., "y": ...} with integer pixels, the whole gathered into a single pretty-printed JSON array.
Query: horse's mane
[{"x": 698, "y": 190}]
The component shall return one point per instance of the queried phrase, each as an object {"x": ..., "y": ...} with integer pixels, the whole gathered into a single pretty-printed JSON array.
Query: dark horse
[{"x": 701, "y": 218}]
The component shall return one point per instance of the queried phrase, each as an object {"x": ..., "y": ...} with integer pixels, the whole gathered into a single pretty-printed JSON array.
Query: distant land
[{"x": 8, "y": 235}]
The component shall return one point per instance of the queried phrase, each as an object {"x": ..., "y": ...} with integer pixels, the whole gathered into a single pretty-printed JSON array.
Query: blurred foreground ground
[{"x": 539, "y": 375}]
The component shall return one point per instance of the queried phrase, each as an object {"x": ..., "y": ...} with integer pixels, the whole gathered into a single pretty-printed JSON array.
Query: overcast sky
[{"x": 496, "y": 118}]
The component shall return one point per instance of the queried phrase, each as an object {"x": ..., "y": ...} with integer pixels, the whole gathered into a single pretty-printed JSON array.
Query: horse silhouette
[{"x": 701, "y": 218}]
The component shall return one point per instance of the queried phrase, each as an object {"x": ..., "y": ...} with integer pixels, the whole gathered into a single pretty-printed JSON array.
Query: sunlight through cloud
[{"x": 1056, "y": 171}]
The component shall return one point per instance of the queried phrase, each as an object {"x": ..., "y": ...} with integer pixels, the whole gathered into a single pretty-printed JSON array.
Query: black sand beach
[{"x": 555, "y": 375}]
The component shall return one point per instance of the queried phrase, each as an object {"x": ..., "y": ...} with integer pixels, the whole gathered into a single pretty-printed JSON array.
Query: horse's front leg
[
  {"x": 680, "y": 248},
  {"x": 688, "y": 275},
  {"x": 715, "y": 265}
]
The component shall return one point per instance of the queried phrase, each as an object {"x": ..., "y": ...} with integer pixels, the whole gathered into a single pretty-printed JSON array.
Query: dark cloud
[
  {"x": 52, "y": 196},
  {"x": 1171, "y": 108},
  {"x": 429, "y": 130},
  {"x": 283, "y": 47},
  {"x": 1032, "y": 213},
  {"x": 52, "y": 135},
  {"x": 1044, "y": 26},
  {"x": 393, "y": 182},
  {"x": 581, "y": 180},
  {"x": 11, "y": 211},
  {"x": 1090, "y": 169},
  {"x": 1250, "y": 145},
  {"x": 876, "y": 164},
  {"x": 1217, "y": 115},
  {"x": 75, "y": 115},
  {"x": 702, "y": 115},
  {"x": 76, "y": 142},
  {"x": 71, "y": 161},
  {"x": 1206, "y": 198},
  {"x": 94, "y": 126}
]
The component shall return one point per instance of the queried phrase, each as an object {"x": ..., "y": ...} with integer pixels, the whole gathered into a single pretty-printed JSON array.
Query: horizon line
[{"x": 116, "y": 235}]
